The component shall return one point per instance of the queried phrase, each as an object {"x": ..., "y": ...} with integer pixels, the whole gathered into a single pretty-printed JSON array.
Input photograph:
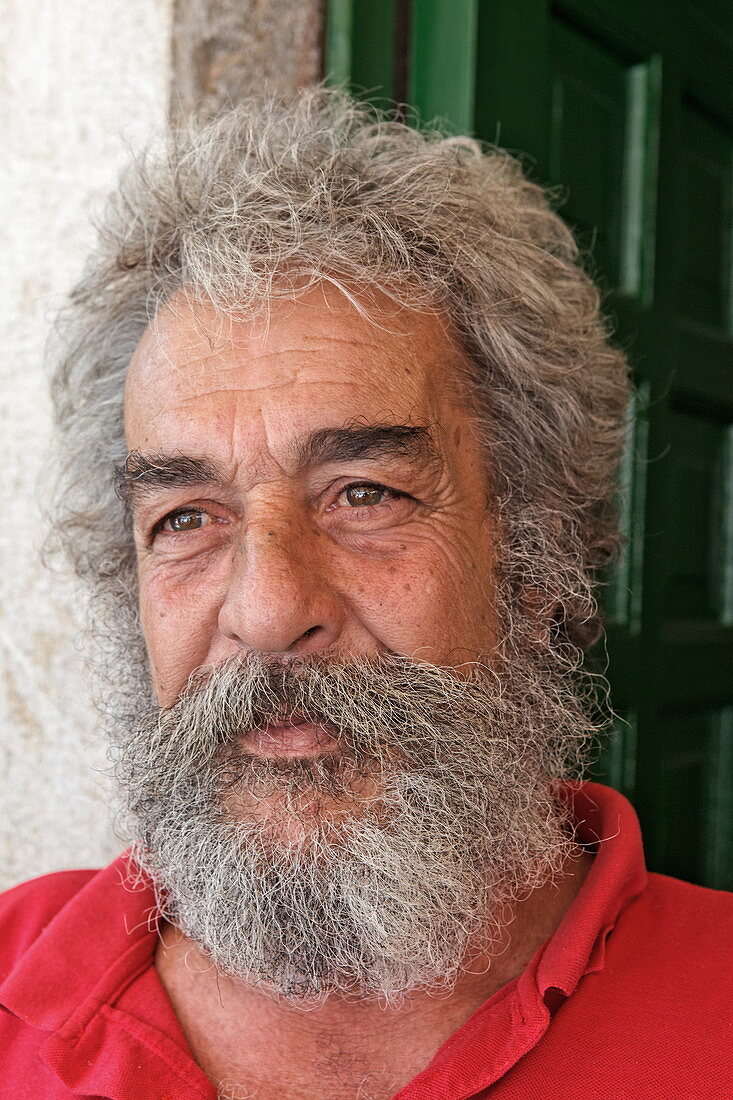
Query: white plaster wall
[{"x": 80, "y": 80}]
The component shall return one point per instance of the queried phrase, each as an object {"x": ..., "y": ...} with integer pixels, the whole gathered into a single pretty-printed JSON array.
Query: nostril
[{"x": 301, "y": 640}]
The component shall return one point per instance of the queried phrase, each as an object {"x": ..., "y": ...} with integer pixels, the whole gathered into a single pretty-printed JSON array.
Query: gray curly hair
[{"x": 280, "y": 193}]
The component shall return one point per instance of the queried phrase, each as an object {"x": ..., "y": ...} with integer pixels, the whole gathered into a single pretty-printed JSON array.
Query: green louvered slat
[{"x": 442, "y": 70}]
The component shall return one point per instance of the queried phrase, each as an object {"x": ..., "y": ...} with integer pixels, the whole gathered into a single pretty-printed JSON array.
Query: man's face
[
  {"x": 336, "y": 503},
  {"x": 329, "y": 804}
]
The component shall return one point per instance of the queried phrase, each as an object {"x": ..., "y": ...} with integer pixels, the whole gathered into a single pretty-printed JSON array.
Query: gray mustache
[{"x": 367, "y": 705}]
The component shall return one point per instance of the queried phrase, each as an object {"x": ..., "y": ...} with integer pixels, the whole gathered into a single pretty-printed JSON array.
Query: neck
[{"x": 239, "y": 1033}]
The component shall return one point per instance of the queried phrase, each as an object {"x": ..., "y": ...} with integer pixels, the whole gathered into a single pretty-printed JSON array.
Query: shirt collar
[
  {"x": 88, "y": 952},
  {"x": 607, "y": 825}
]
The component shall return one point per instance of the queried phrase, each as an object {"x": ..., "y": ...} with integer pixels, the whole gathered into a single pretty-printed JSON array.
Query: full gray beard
[{"x": 373, "y": 871}]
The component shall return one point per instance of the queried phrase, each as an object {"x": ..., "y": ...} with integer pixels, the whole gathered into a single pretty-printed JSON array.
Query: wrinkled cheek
[
  {"x": 467, "y": 624},
  {"x": 177, "y": 627},
  {"x": 440, "y": 615}
]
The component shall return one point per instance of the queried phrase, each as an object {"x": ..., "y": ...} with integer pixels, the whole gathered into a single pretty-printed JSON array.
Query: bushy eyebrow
[
  {"x": 368, "y": 441},
  {"x": 144, "y": 475}
]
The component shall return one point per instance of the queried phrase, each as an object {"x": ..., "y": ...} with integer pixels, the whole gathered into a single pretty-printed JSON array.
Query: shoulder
[
  {"x": 691, "y": 915},
  {"x": 675, "y": 941},
  {"x": 653, "y": 1017},
  {"x": 27, "y": 909}
]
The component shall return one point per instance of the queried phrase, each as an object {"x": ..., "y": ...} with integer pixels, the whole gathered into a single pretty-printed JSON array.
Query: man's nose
[{"x": 279, "y": 598}]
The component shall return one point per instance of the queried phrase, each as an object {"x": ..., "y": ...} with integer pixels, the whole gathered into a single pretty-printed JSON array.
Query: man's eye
[
  {"x": 179, "y": 522},
  {"x": 366, "y": 494}
]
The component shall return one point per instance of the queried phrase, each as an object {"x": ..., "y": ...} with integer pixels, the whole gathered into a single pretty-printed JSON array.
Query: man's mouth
[{"x": 292, "y": 737}]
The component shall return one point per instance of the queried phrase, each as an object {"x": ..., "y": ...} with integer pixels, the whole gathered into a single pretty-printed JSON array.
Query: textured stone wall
[
  {"x": 81, "y": 83},
  {"x": 76, "y": 88},
  {"x": 225, "y": 49}
]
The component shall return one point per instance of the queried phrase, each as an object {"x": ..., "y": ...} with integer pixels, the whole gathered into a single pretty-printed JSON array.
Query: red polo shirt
[{"x": 631, "y": 998}]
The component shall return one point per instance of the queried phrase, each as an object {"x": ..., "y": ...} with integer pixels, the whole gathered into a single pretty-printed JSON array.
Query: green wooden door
[{"x": 627, "y": 108}]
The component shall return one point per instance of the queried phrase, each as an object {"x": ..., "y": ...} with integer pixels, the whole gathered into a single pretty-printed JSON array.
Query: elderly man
[{"x": 341, "y": 425}]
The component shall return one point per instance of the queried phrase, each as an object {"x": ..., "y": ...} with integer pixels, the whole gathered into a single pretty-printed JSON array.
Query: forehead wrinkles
[
  {"x": 178, "y": 364},
  {"x": 374, "y": 320},
  {"x": 257, "y": 383}
]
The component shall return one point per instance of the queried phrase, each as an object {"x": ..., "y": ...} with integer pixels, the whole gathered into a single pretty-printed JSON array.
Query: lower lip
[{"x": 301, "y": 739}]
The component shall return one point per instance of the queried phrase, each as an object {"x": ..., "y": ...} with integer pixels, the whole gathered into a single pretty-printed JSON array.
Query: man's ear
[
  {"x": 543, "y": 614},
  {"x": 551, "y": 621}
]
